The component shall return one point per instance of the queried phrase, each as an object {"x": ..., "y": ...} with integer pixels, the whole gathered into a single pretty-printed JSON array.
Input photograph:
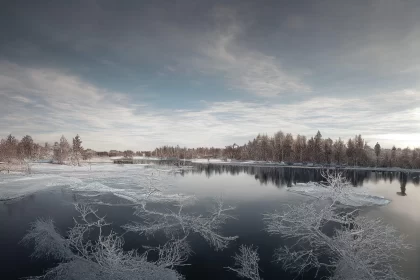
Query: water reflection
[
  {"x": 287, "y": 176},
  {"x": 403, "y": 183}
]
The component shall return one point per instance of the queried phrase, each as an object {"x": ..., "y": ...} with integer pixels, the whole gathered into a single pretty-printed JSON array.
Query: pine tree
[
  {"x": 328, "y": 150},
  {"x": 351, "y": 151},
  {"x": 77, "y": 149},
  {"x": 318, "y": 147},
  {"x": 339, "y": 151},
  {"x": 377, "y": 152},
  {"x": 393, "y": 156}
]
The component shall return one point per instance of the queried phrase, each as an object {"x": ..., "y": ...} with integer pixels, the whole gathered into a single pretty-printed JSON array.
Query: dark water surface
[{"x": 253, "y": 190}]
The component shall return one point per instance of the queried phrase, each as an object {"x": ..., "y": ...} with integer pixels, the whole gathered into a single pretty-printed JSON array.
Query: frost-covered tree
[
  {"x": 77, "y": 150},
  {"x": 26, "y": 146},
  {"x": 246, "y": 263},
  {"x": 61, "y": 150},
  {"x": 358, "y": 248},
  {"x": 128, "y": 153},
  {"x": 88, "y": 253},
  {"x": 8, "y": 151}
]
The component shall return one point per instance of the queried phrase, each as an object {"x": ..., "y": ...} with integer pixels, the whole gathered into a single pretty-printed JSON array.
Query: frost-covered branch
[
  {"x": 173, "y": 253},
  {"x": 85, "y": 257},
  {"x": 246, "y": 263},
  {"x": 180, "y": 224},
  {"x": 339, "y": 191}
]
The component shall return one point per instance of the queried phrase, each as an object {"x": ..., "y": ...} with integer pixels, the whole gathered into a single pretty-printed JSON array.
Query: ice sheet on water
[
  {"x": 131, "y": 182},
  {"x": 16, "y": 186},
  {"x": 352, "y": 197}
]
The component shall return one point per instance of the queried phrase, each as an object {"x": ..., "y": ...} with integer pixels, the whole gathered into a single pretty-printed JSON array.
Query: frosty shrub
[
  {"x": 85, "y": 255},
  {"x": 177, "y": 224},
  {"x": 246, "y": 263}
]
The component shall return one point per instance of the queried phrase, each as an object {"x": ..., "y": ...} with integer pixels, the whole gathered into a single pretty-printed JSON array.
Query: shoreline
[
  {"x": 278, "y": 165},
  {"x": 17, "y": 169}
]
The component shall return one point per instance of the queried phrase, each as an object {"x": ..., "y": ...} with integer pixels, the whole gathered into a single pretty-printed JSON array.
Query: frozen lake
[{"x": 52, "y": 190}]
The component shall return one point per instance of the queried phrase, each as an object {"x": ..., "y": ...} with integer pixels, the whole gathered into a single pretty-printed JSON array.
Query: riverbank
[{"x": 272, "y": 164}]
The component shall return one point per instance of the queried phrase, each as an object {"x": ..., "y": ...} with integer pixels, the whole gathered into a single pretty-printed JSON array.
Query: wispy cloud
[
  {"x": 66, "y": 104},
  {"x": 245, "y": 69}
]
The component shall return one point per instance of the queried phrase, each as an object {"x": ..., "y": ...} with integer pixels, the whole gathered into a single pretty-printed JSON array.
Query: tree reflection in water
[
  {"x": 288, "y": 176},
  {"x": 403, "y": 183}
]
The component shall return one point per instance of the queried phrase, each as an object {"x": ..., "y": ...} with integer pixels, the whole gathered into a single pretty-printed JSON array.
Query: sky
[{"x": 140, "y": 74}]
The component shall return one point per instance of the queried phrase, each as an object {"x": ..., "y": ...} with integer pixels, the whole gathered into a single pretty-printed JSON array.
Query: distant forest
[
  {"x": 277, "y": 148},
  {"x": 285, "y": 148}
]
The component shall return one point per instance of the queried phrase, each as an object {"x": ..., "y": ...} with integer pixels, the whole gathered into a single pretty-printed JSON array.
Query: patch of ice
[
  {"x": 16, "y": 186},
  {"x": 204, "y": 160},
  {"x": 354, "y": 197},
  {"x": 131, "y": 182}
]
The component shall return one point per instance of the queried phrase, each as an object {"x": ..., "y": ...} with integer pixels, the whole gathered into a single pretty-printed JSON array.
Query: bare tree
[
  {"x": 176, "y": 223},
  {"x": 61, "y": 150},
  {"x": 339, "y": 152},
  {"x": 8, "y": 152}
]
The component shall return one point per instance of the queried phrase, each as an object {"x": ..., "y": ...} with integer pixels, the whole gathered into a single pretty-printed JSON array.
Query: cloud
[
  {"x": 244, "y": 69},
  {"x": 65, "y": 104}
]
